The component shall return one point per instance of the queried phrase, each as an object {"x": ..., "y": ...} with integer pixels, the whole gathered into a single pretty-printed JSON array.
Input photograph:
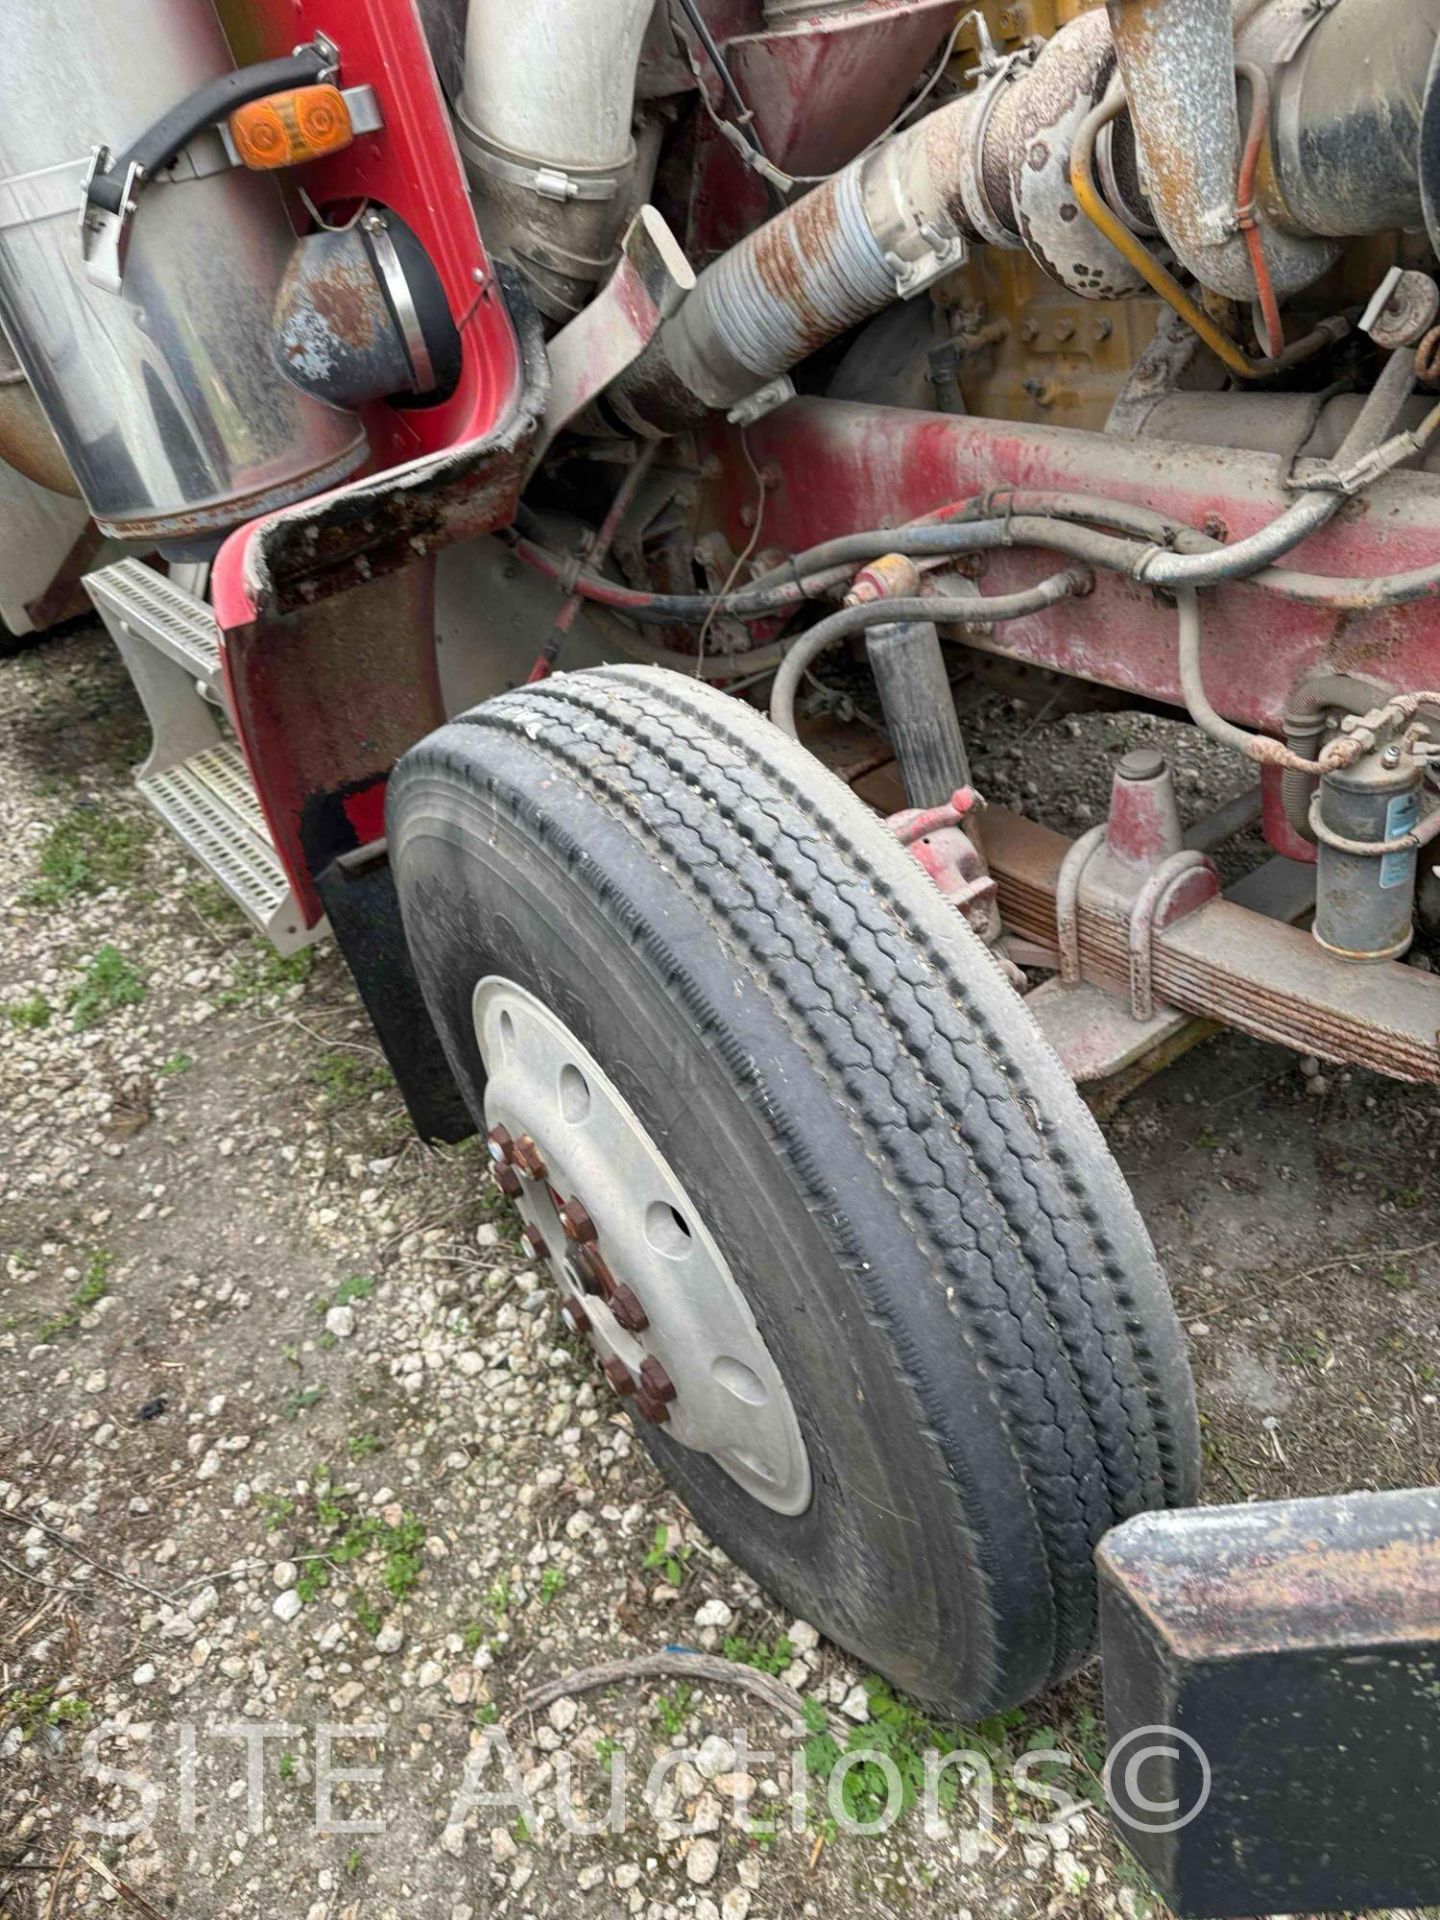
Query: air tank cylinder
[{"x": 167, "y": 396}]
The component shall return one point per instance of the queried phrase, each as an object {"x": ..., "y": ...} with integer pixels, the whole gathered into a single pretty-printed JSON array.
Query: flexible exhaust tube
[{"x": 991, "y": 166}]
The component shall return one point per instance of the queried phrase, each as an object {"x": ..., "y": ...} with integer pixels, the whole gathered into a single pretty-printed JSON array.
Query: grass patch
[
  {"x": 345, "y": 1079},
  {"x": 30, "y": 1014},
  {"x": 108, "y": 983},
  {"x": 177, "y": 1063},
  {"x": 91, "y": 1290},
  {"x": 754, "y": 1653},
  {"x": 359, "y": 1286},
  {"x": 344, "y": 1538},
  {"x": 86, "y": 852},
  {"x": 672, "y": 1710},
  {"x": 214, "y": 905},
  {"x": 552, "y": 1584},
  {"x": 905, "y": 1736},
  {"x": 663, "y": 1558},
  {"x": 260, "y": 972},
  {"x": 32, "y": 1710}
]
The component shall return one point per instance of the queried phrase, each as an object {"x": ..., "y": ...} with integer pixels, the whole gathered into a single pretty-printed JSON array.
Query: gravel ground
[{"x": 292, "y": 1434}]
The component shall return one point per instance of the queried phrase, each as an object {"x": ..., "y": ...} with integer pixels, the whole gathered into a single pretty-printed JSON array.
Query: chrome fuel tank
[{"x": 166, "y": 396}]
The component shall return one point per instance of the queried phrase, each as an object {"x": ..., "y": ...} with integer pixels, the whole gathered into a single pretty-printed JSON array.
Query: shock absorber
[{"x": 920, "y": 715}]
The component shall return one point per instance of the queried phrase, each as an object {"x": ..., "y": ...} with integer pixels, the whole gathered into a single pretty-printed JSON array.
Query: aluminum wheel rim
[{"x": 690, "y": 1356}]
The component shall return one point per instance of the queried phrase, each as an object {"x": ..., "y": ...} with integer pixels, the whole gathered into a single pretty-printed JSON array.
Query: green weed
[
  {"x": 346, "y": 1079},
  {"x": 86, "y": 852},
  {"x": 753, "y": 1653},
  {"x": 672, "y": 1710},
  {"x": 91, "y": 1290},
  {"x": 30, "y": 1014},
  {"x": 663, "y": 1558},
  {"x": 108, "y": 983}
]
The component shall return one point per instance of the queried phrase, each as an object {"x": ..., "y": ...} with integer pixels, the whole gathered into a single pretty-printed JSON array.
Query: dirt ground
[{"x": 292, "y": 1438}]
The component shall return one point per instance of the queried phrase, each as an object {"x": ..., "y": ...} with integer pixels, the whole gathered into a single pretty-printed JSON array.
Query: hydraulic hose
[
  {"x": 1255, "y": 746},
  {"x": 884, "y": 613},
  {"x": 1312, "y": 511}
]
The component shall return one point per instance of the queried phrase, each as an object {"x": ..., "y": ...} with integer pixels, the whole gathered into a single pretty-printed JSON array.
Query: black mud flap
[
  {"x": 358, "y": 893},
  {"x": 1272, "y": 1686}
]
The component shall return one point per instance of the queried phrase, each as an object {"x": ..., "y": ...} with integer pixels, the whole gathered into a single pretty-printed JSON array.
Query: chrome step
[
  {"x": 137, "y": 602},
  {"x": 209, "y": 802}
]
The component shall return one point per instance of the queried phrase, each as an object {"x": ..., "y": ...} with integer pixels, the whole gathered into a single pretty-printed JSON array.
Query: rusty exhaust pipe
[{"x": 1177, "y": 58}]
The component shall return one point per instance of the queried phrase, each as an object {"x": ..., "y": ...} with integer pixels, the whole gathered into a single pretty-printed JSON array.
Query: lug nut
[
  {"x": 536, "y": 1241},
  {"x": 501, "y": 1145},
  {"x": 628, "y": 1312},
  {"x": 575, "y": 1317},
  {"x": 528, "y": 1158},
  {"x": 619, "y": 1376},
  {"x": 648, "y": 1408},
  {"x": 508, "y": 1181},
  {"x": 595, "y": 1275},
  {"x": 575, "y": 1219},
  {"x": 655, "y": 1380}
]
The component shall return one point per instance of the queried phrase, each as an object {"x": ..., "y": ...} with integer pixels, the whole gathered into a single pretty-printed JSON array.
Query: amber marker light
[{"x": 287, "y": 129}]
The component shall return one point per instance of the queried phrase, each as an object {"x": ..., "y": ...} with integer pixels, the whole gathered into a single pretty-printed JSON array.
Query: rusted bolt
[
  {"x": 1103, "y": 329},
  {"x": 1064, "y": 330},
  {"x": 1030, "y": 330},
  {"x": 619, "y": 1376},
  {"x": 655, "y": 1381},
  {"x": 528, "y": 1158},
  {"x": 628, "y": 1312},
  {"x": 651, "y": 1409},
  {"x": 509, "y": 1182},
  {"x": 575, "y": 1219},
  {"x": 536, "y": 1241},
  {"x": 594, "y": 1272},
  {"x": 575, "y": 1317},
  {"x": 501, "y": 1145}
]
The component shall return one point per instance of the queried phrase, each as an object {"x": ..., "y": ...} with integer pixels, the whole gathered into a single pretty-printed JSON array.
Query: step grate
[
  {"x": 209, "y": 802},
  {"x": 153, "y": 608}
]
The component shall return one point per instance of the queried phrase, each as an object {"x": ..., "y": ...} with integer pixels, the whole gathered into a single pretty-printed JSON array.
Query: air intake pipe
[{"x": 545, "y": 125}]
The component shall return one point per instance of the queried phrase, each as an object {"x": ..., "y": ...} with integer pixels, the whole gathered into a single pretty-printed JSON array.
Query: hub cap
[{"x": 642, "y": 1278}]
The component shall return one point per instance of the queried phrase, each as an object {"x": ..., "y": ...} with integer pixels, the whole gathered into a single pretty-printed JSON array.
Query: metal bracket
[
  {"x": 755, "y": 406},
  {"x": 943, "y": 255},
  {"x": 1148, "y": 914},
  {"x": 1309, "y": 18},
  {"x": 104, "y": 236},
  {"x": 587, "y": 356},
  {"x": 997, "y": 76},
  {"x": 107, "y": 211}
]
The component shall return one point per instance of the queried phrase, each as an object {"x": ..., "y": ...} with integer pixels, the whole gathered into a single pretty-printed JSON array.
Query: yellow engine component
[{"x": 1030, "y": 350}]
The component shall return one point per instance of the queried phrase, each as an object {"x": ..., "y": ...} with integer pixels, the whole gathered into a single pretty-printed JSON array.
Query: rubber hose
[{"x": 970, "y": 613}]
